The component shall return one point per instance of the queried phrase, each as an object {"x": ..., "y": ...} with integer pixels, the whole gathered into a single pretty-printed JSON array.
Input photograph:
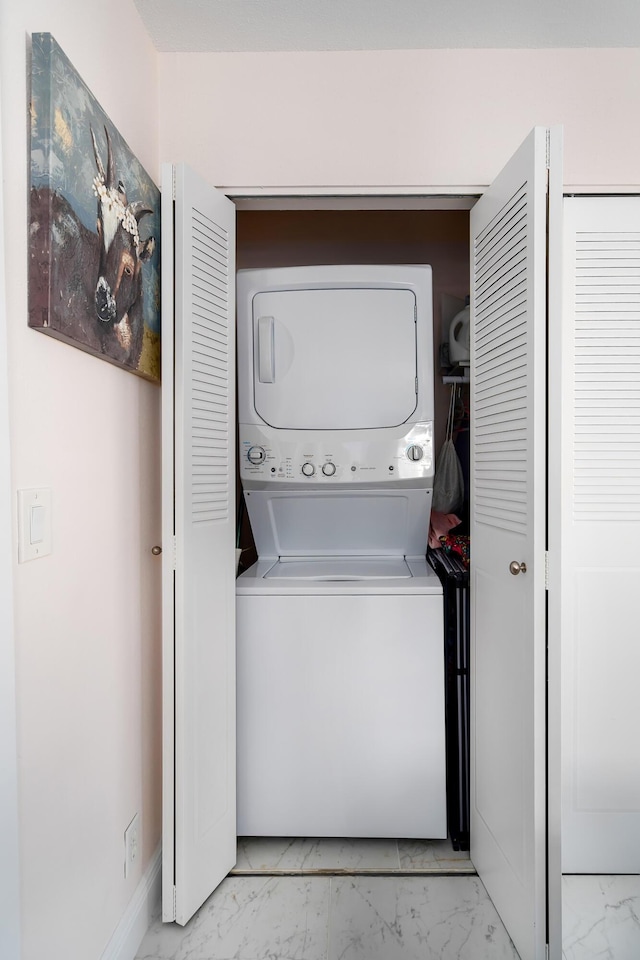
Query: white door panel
[
  {"x": 199, "y": 834},
  {"x": 600, "y": 453},
  {"x": 509, "y": 236}
]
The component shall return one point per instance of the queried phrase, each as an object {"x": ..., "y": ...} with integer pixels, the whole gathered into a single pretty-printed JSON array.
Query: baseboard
[{"x": 137, "y": 917}]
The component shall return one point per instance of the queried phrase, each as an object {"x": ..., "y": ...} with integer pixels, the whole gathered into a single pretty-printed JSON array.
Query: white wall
[
  {"x": 9, "y": 854},
  {"x": 87, "y": 618},
  {"x": 430, "y": 117}
]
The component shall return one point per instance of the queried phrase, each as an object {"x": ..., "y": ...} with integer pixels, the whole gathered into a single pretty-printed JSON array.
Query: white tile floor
[
  {"x": 338, "y": 918},
  {"x": 601, "y": 917},
  {"x": 413, "y": 909},
  {"x": 300, "y": 855},
  {"x": 335, "y": 917}
]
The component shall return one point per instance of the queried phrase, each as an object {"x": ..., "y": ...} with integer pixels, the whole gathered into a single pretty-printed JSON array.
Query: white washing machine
[{"x": 340, "y": 670}]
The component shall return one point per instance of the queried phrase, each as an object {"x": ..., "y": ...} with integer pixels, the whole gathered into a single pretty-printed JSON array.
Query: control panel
[{"x": 325, "y": 457}]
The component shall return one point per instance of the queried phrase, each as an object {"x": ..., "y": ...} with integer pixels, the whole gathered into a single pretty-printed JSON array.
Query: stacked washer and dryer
[{"x": 340, "y": 666}]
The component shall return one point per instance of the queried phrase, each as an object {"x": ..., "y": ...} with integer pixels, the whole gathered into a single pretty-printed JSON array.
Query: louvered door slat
[
  {"x": 508, "y": 285},
  {"x": 501, "y": 373},
  {"x": 501, "y": 343},
  {"x": 606, "y": 311}
]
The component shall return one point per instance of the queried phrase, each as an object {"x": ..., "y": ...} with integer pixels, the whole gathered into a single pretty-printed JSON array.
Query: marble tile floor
[
  {"x": 302, "y": 855},
  {"x": 305, "y": 899},
  {"x": 337, "y": 918},
  {"x": 601, "y": 917}
]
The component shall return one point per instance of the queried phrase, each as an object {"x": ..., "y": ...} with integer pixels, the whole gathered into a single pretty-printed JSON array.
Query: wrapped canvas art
[{"x": 94, "y": 223}]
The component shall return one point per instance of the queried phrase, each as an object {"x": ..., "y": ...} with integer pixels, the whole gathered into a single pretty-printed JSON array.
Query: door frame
[
  {"x": 555, "y": 360},
  {"x": 415, "y": 198},
  {"x": 356, "y": 198}
]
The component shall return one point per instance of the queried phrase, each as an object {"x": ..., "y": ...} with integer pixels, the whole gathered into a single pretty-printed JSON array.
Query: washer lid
[
  {"x": 335, "y": 358},
  {"x": 340, "y": 568},
  {"x": 300, "y": 524}
]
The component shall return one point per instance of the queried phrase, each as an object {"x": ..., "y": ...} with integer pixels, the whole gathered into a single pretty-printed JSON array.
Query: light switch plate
[{"x": 34, "y": 528}]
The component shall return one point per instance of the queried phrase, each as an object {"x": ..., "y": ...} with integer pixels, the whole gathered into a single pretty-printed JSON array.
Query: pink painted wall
[
  {"x": 419, "y": 117},
  {"x": 87, "y": 618}
]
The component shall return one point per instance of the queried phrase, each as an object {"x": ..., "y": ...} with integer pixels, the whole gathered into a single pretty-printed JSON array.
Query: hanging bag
[{"x": 448, "y": 486}]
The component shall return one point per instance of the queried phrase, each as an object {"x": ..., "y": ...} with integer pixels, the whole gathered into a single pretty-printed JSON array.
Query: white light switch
[
  {"x": 37, "y": 524},
  {"x": 34, "y": 524}
]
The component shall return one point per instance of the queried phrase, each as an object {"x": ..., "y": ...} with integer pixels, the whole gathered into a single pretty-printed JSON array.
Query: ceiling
[{"x": 290, "y": 25}]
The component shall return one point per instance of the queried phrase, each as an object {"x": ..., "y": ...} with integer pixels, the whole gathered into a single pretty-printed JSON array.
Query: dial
[
  {"x": 256, "y": 455},
  {"x": 328, "y": 469},
  {"x": 308, "y": 469},
  {"x": 414, "y": 452}
]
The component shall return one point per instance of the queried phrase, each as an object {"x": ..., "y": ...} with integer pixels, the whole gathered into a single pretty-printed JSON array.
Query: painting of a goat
[{"x": 94, "y": 224}]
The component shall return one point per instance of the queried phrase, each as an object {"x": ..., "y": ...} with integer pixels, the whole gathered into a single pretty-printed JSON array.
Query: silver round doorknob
[
  {"x": 156, "y": 551},
  {"x": 515, "y": 568}
]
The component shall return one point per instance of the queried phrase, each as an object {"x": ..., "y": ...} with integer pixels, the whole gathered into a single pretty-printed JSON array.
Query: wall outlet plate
[{"x": 131, "y": 845}]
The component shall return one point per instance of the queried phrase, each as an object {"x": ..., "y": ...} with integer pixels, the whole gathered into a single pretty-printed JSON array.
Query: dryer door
[{"x": 335, "y": 359}]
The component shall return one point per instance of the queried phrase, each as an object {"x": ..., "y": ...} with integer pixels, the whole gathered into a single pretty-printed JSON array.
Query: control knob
[
  {"x": 308, "y": 469},
  {"x": 256, "y": 455},
  {"x": 328, "y": 469},
  {"x": 414, "y": 452}
]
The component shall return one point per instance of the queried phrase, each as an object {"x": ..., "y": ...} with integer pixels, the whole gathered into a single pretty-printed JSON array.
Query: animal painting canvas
[{"x": 94, "y": 223}]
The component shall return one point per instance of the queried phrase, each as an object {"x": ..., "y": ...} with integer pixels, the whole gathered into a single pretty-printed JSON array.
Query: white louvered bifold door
[
  {"x": 508, "y": 505},
  {"x": 600, "y": 453},
  {"x": 199, "y": 819}
]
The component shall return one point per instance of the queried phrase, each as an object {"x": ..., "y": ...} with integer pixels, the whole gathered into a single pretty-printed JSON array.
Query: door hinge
[
  {"x": 173, "y": 182},
  {"x": 174, "y": 902},
  {"x": 546, "y": 951},
  {"x": 416, "y": 386},
  {"x": 174, "y": 552},
  {"x": 546, "y": 569}
]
